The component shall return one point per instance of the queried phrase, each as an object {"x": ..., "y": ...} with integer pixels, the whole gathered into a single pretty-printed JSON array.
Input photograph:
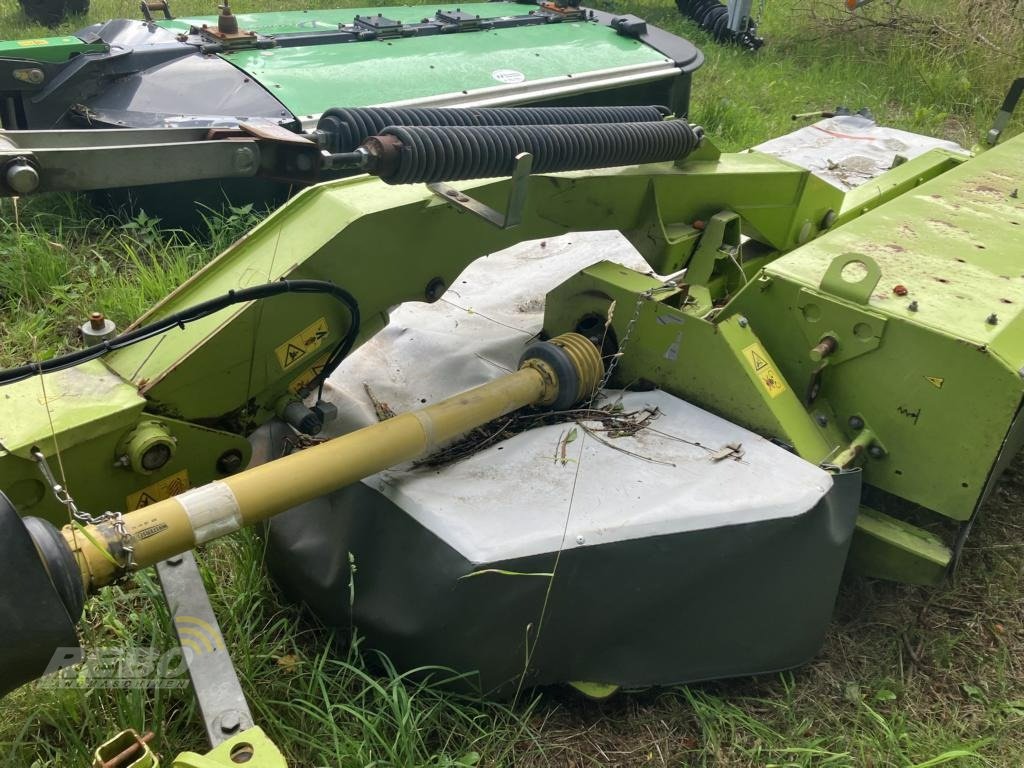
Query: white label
[
  {"x": 212, "y": 510},
  {"x": 508, "y": 76}
]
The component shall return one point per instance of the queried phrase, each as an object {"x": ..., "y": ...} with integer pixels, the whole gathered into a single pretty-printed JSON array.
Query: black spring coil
[
  {"x": 346, "y": 128},
  {"x": 713, "y": 17},
  {"x": 432, "y": 154}
]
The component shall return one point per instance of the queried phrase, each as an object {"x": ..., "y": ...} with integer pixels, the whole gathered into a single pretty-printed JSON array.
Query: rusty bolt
[
  {"x": 899, "y": 290},
  {"x": 823, "y": 348},
  {"x": 992, "y": 319},
  {"x": 97, "y": 320}
]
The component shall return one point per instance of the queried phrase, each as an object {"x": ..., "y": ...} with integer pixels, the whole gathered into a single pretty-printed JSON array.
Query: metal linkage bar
[
  {"x": 221, "y": 700},
  {"x": 53, "y": 161}
]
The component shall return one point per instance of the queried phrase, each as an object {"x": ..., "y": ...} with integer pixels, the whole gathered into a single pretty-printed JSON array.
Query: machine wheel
[{"x": 50, "y": 13}]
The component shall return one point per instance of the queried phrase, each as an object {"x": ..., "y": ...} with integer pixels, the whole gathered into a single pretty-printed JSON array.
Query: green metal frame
[{"x": 212, "y": 383}]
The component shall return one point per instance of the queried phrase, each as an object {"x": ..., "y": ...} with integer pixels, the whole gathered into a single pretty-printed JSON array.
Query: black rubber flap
[
  {"x": 712, "y": 603},
  {"x": 34, "y": 624}
]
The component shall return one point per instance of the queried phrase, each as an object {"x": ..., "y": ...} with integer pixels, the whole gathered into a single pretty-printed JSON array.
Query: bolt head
[
  {"x": 743, "y": 321},
  {"x": 22, "y": 178},
  {"x": 230, "y": 721},
  {"x": 229, "y": 462},
  {"x": 876, "y": 451},
  {"x": 856, "y": 422},
  {"x": 580, "y": 540}
]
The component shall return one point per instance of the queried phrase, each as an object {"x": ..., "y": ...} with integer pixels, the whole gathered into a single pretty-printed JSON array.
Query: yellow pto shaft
[{"x": 557, "y": 373}]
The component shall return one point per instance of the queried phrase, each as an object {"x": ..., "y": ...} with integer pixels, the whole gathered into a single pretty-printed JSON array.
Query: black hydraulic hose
[
  {"x": 197, "y": 312},
  {"x": 713, "y": 17},
  {"x": 343, "y": 128},
  {"x": 431, "y": 154}
]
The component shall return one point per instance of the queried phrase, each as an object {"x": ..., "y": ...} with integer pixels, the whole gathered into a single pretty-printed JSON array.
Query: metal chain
[
  {"x": 669, "y": 285},
  {"x": 64, "y": 497}
]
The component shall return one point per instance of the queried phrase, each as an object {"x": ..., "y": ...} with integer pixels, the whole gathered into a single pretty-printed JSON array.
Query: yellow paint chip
[
  {"x": 295, "y": 350},
  {"x": 935, "y": 381},
  {"x": 764, "y": 370},
  {"x": 158, "y": 491}
]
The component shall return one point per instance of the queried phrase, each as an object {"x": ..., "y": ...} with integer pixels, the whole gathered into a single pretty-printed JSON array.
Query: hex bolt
[
  {"x": 856, "y": 422},
  {"x": 875, "y": 451},
  {"x": 230, "y": 721},
  {"x": 96, "y": 320},
  {"x": 743, "y": 321},
  {"x": 821, "y": 419},
  {"x": 823, "y": 348},
  {"x": 992, "y": 319},
  {"x": 912, "y": 306}
]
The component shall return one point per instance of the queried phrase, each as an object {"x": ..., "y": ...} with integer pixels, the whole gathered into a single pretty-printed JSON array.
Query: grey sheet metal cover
[{"x": 674, "y": 566}]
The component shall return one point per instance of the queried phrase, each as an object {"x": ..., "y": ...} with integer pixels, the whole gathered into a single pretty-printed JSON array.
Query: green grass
[{"x": 908, "y": 676}]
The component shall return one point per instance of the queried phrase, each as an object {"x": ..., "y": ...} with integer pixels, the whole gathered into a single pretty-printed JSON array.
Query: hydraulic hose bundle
[
  {"x": 415, "y": 154},
  {"x": 713, "y": 17},
  {"x": 342, "y": 129}
]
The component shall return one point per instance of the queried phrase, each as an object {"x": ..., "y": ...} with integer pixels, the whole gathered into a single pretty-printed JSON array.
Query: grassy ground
[{"x": 908, "y": 676}]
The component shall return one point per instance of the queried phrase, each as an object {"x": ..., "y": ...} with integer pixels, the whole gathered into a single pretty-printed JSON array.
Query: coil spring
[
  {"x": 432, "y": 153},
  {"x": 713, "y": 17},
  {"x": 346, "y": 128}
]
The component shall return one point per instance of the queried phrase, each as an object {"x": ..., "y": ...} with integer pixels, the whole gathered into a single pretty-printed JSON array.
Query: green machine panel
[
  {"x": 430, "y": 68},
  {"x": 923, "y": 298}
]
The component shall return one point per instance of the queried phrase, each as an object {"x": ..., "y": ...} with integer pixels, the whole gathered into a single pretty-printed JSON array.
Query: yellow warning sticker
[
  {"x": 302, "y": 344},
  {"x": 158, "y": 491},
  {"x": 27, "y": 43},
  {"x": 935, "y": 381},
  {"x": 757, "y": 358},
  {"x": 303, "y": 379}
]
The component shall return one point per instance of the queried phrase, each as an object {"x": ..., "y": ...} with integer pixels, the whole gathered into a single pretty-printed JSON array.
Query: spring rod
[{"x": 344, "y": 129}]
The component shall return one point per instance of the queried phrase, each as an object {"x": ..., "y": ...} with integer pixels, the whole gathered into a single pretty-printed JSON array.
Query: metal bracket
[
  {"x": 221, "y": 701},
  {"x": 721, "y": 240},
  {"x": 840, "y": 285},
  {"x": 513, "y": 215},
  {"x": 855, "y": 331}
]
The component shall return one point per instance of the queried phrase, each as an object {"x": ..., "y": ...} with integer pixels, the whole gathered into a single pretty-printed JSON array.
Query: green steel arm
[{"x": 208, "y": 385}]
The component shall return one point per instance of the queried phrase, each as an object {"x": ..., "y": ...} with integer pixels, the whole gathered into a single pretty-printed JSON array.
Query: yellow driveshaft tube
[{"x": 556, "y": 373}]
